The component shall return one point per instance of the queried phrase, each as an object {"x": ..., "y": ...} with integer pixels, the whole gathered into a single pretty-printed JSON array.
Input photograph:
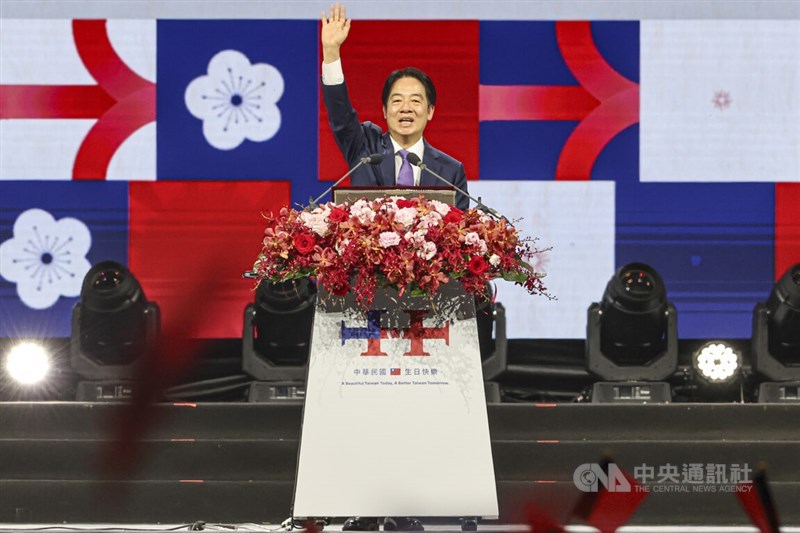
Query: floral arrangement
[{"x": 414, "y": 245}]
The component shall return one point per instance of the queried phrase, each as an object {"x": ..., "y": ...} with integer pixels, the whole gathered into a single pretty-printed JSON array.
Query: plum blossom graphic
[
  {"x": 236, "y": 100},
  {"x": 46, "y": 258},
  {"x": 722, "y": 100}
]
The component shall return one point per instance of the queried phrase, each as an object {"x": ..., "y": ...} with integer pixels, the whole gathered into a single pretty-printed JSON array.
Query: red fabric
[
  {"x": 447, "y": 51},
  {"x": 608, "y": 511},
  {"x": 787, "y": 226},
  {"x": 190, "y": 238},
  {"x": 751, "y": 503}
]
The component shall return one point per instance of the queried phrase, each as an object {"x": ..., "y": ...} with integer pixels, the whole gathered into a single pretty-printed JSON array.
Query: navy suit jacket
[{"x": 357, "y": 140}]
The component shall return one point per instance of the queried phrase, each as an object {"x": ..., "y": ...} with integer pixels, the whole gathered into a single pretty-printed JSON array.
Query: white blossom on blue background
[
  {"x": 236, "y": 100},
  {"x": 46, "y": 258}
]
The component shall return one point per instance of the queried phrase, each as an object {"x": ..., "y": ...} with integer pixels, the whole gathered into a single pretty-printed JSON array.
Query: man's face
[{"x": 407, "y": 112}]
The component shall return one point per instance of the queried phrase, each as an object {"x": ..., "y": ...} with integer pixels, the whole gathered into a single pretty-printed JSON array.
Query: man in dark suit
[{"x": 409, "y": 100}]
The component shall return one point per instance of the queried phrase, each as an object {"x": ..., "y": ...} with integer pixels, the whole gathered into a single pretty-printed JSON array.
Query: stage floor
[
  {"x": 235, "y": 463},
  {"x": 509, "y": 528}
]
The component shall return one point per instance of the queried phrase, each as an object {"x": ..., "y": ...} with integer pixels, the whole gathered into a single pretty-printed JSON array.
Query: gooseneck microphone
[
  {"x": 415, "y": 160},
  {"x": 372, "y": 159}
]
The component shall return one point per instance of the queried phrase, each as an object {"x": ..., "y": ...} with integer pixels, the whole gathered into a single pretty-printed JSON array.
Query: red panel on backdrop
[
  {"x": 199, "y": 236},
  {"x": 446, "y": 50},
  {"x": 787, "y": 226}
]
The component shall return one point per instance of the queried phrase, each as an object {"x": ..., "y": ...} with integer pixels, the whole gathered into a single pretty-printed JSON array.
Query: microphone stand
[
  {"x": 372, "y": 159},
  {"x": 415, "y": 160}
]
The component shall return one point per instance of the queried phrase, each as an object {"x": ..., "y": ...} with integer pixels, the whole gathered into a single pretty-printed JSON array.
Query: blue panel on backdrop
[
  {"x": 522, "y": 53},
  {"x": 528, "y": 53},
  {"x": 523, "y": 149},
  {"x": 44, "y": 258},
  {"x": 618, "y": 43},
  {"x": 288, "y": 151},
  {"x": 713, "y": 243}
]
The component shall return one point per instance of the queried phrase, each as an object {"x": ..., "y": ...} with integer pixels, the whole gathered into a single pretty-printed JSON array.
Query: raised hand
[{"x": 334, "y": 32}]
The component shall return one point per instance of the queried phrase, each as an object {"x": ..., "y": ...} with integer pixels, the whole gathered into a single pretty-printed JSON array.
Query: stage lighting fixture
[
  {"x": 717, "y": 363},
  {"x": 277, "y": 338},
  {"x": 776, "y": 337},
  {"x": 632, "y": 333},
  {"x": 27, "y": 363},
  {"x": 113, "y": 326}
]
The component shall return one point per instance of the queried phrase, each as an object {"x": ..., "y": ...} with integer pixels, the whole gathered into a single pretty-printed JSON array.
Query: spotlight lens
[
  {"x": 28, "y": 363},
  {"x": 107, "y": 280},
  {"x": 638, "y": 282},
  {"x": 717, "y": 362}
]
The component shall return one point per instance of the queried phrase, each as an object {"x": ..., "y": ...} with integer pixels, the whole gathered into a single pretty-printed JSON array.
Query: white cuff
[{"x": 332, "y": 73}]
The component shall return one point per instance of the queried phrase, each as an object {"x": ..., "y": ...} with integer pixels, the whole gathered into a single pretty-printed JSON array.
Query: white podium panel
[{"x": 395, "y": 419}]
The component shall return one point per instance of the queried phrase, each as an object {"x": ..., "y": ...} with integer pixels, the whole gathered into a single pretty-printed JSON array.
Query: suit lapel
[
  {"x": 386, "y": 174},
  {"x": 431, "y": 160}
]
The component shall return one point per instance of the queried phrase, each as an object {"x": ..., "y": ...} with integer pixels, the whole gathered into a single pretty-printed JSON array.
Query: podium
[
  {"x": 395, "y": 420},
  {"x": 445, "y": 195}
]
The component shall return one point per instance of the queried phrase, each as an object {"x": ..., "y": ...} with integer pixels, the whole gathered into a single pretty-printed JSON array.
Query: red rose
[
  {"x": 304, "y": 243},
  {"x": 454, "y": 215},
  {"x": 338, "y": 215},
  {"x": 339, "y": 288},
  {"x": 403, "y": 203},
  {"x": 477, "y": 265}
]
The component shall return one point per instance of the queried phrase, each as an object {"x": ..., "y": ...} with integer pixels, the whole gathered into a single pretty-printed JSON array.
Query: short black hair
[{"x": 409, "y": 72}]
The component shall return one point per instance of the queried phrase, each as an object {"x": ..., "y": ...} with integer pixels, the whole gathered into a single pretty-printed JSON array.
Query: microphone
[
  {"x": 372, "y": 159},
  {"x": 415, "y": 160}
]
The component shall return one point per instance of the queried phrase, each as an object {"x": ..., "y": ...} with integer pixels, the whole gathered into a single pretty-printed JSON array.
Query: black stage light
[
  {"x": 277, "y": 338},
  {"x": 776, "y": 337},
  {"x": 632, "y": 334},
  {"x": 492, "y": 341},
  {"x": 113, "y": 326}
]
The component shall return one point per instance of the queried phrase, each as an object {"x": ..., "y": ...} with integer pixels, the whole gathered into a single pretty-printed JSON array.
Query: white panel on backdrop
[
  {"x": 577, "y": 220},
  {"x": 720, "y": 100},
  {"x": 128, "y": 163},
  {"x": 40, "y": 52},
  {"x": 135, "y": 43},
  {"x": 35, "y": 149}
]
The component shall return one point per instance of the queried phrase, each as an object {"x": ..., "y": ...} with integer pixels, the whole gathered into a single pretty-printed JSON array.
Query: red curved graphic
[
  {"x": 53, "y": 101},
  {"x": 108, "y": 133},
  {"x": 585, "y": 62},
  {"x": 619, "y": 101},
  {"x": 122, "y": 101},
  {"x": 593, "y": 134},
  {"x": 520, "y": 102},
  {"x": 102, "y": 61}
]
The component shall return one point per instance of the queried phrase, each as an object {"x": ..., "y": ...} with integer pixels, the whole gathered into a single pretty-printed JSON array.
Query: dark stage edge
[{"x": 235, "y": 462}]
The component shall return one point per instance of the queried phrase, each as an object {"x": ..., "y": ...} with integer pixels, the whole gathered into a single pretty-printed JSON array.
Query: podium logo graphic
[
  {"x": 46, "y": 258},
  {"x": 236, "y": 100},
  {"x": 589, "y": 477},
  {"x": 416, "y": 332}
]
